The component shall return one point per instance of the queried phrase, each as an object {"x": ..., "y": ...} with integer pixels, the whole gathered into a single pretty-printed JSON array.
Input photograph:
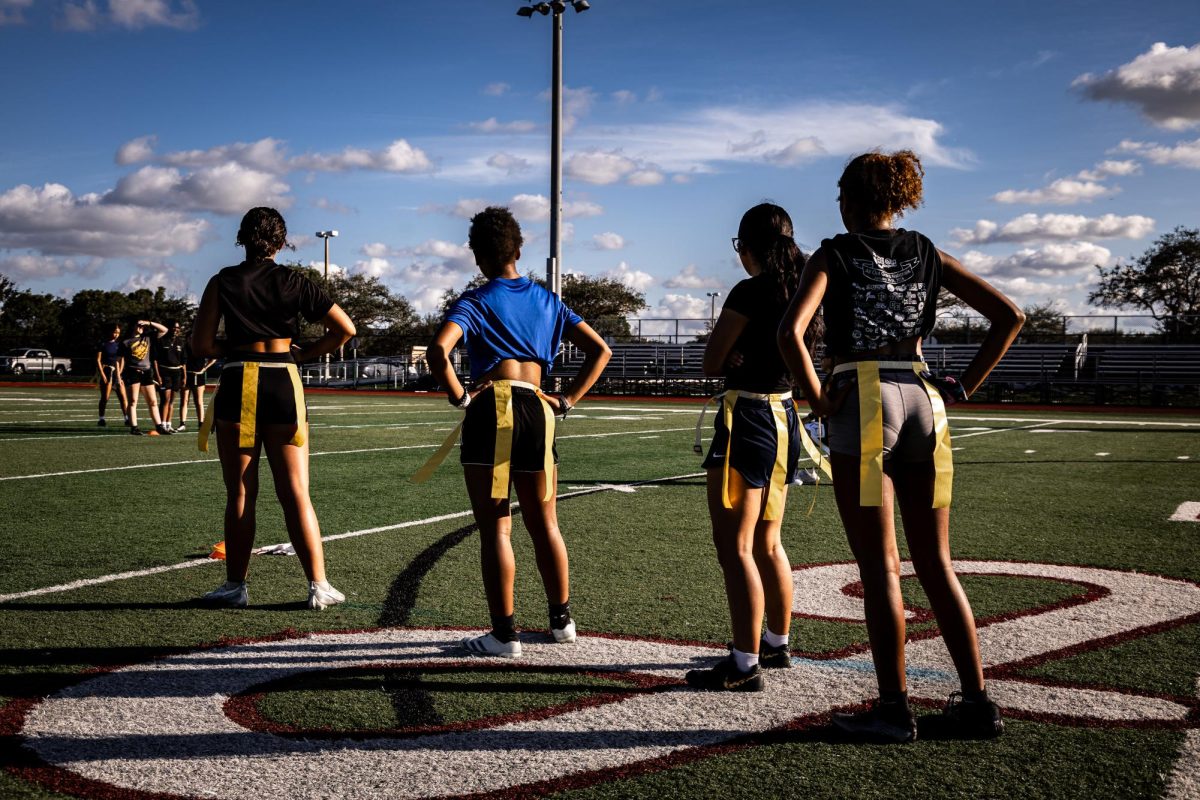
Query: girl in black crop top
[
  {"x": 747, "y": 487},
  {"x": 879, "y": 285},
  {"x": 261, "y": 303}
]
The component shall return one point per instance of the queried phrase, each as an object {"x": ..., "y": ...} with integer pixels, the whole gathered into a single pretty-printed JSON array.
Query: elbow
[
  {"x": 603, "y": 354},
  {"x": 349, "y": 332},
  {"x": 787, "y": 338}
]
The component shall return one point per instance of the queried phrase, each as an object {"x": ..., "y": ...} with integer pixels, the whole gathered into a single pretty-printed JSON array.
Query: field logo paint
[
  {"x": 1187, "y": 512},
  {"x": 165, "y": 727}
]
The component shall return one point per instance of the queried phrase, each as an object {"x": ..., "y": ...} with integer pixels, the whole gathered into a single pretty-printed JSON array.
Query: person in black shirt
[
  {"x": 197, "y": 367},
  {"x": 169, "y": 368},
  {"x": 888, "y": 434},
  {"x": 137, "y": 372},
  {"x": 260, "y": 401},
  {"x": 754, "y": 452},
  {"x": 108, "y": 360}
]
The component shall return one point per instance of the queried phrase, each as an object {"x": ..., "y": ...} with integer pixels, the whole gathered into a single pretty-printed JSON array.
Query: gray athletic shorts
[{"x": 908, "y": 434}]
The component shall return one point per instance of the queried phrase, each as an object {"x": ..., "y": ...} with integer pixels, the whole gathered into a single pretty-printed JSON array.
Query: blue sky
[{"x": 1056, "y": 135}]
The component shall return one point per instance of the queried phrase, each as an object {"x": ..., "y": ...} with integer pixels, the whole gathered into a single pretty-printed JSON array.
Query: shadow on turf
[{"x": 298, "y": 605}]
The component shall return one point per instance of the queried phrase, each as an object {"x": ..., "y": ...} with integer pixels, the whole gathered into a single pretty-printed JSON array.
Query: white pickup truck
[{"x": 32, "y": 359}]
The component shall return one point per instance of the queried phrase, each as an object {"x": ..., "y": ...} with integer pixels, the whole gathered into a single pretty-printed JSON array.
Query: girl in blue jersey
[
  {"x": 888, "y": 435},
  {"x": 754, "y": 452},
  {"x": 108, "y": 359},
  {"x": 512, "y": 327}
]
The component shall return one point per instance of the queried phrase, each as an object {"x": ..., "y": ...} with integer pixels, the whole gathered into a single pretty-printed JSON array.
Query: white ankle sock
[
  {"x": 744, "y": 661},
  {"x": 775, "y": 639}
]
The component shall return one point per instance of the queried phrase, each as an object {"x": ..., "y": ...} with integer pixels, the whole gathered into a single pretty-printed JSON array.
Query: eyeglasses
[{"x": 737, "y": 244}]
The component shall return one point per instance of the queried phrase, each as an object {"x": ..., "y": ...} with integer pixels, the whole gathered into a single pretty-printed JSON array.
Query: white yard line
[
  {"x": 1076, "y": 420},
  {"x": 956, "y": 437},
  {"x": 196, "y": 562}
]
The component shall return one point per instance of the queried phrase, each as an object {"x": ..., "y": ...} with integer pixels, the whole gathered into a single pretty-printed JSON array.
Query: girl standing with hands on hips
[
  {"x": 512, "y": 328},
  {"x": 754, "y": 452},
  {"x": 889, "y": 439},
  {"x": 260, "y": 401}
]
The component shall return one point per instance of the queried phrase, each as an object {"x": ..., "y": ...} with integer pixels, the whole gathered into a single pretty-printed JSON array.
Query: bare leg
[
  {"x": 927, "y": 530},
  {"x": 168, "y": 405},
  {"x": 198, "y": 393},
  {"x": 872, "y": 536},
  {"x": 133, "y": 400},
  {"x": 733, "y": 535},
  {"x": 775, "y": 572},
  {"x": 150, "y": 390},
  {"x": 289, "y": 468},
  {"x": 495, "y": 540},
  {"x": 541, "y": 520},
  {"x": 183, "y": 403},
  {"x": 239, "y": 468},
  {"x": 105, "y": 391}
]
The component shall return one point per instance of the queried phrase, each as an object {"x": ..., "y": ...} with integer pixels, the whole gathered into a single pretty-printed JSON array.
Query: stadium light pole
[
  {"x": 712, "y": 307},
  {"x": 326, "y": 235},
  {"x": 556, "y": 9}
]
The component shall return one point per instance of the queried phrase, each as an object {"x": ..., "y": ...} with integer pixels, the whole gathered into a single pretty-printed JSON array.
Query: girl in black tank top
[
  {"x": 879, "y": 286},
  {"x": 755, "y": 426}
]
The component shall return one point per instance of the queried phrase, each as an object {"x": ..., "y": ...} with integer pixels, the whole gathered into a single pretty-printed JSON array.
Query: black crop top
[
  {"x": 762, "y": 370},
  {"x": 883, "y": 287},
  {"x": 265, "y": 301}
]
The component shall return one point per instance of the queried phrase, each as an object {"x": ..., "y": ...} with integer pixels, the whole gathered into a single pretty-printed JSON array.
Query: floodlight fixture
[
  {"x": 581, "y": 5},
  {"x": 525, "y": 11},
  {"x": 326, "y": 234},
  {"x": 542, "y": 8}
]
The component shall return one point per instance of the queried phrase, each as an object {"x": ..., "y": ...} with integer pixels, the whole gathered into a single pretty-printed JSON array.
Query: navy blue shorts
[{"x": 754, "y": 441}]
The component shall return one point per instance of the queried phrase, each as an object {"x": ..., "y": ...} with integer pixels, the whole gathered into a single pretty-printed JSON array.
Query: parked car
[{"x": 32, "y": 359}]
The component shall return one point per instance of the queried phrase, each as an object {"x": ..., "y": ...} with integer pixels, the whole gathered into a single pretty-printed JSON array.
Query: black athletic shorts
[
  {"x": 529, "y": 431},
  {"x": 277, "y": 389},
  {"x": 196, "y": 379},
  {"x": 172, "y": 379},
  {"x": 754, "y": 441},
  {"x": 135, "y": 375}
]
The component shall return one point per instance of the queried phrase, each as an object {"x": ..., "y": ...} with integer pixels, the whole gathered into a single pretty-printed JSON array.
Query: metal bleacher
[{"x": 1135, "y": 374}]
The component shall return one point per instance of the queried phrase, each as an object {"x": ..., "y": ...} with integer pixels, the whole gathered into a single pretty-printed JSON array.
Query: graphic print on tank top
[{"x": 888, "y": 305}]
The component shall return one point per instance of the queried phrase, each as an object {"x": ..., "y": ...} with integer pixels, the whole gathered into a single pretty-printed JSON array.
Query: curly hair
[
  {"x": 263, "y": 232},
  {"x": 495, "y": 237},
  {"x": 766, "y": 233},
  {"x": 882, "y": 185}
]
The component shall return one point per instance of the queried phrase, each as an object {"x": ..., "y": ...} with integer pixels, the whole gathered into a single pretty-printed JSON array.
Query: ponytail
[{"x": 766, "y": 233}]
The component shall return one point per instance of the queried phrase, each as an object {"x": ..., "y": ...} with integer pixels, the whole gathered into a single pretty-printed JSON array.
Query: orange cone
[{"x": 218, "y": 551}]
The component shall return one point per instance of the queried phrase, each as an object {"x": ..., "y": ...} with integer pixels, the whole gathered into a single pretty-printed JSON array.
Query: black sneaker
[
  {"x": 726, "y": 677},
  {"x": 101, "y": 423},
  {"x": 977, "y": 720},
  {"x": 882, "y": 722},
  {"x": 165, "y": 429},
  {"x": 136, "y": 431},
  {"x": 774, "y": 657}
]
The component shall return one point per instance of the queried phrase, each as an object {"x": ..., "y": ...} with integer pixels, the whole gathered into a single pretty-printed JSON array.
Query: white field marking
[
  {"x": 91, "y": 418},
  {"x": 955, "y": 437},
  {"x": 1183, "y": 783},
  {"x": 956, "y": 448},
  {"x": 976, "y": 429},
  {"x": 1070, "y": 430},
  {"x": 161, "y": 726},
  {"x": 1187, "y": 512},
  {"x": 655, "y": 437},
  {"x": 626, "y": 417},
  {"x": 1078, "y": 421},
  {"x": 1183, "y": 458},
  {"x": 1030, "y": 452},
  {"x": 1104, "y": 454},
  {"x": 621, "y": 433},
  {"x": 196, "y": 562},
  {"x": 62, "y": 438}
]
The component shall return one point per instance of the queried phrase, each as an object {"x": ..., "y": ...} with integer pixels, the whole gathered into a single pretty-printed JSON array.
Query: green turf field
[{"x": 1088, "y": 591}]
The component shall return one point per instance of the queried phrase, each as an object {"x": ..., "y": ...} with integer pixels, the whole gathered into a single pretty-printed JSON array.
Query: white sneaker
[
  {"x": 230, "y": 594},
  {"x": 488, "y": 645},
  {"x": 182, "y": 427},
  {"x": 806, "y": 477},
  {"x": 565, "y": 634},
  {"x": 322, "y": 595}
]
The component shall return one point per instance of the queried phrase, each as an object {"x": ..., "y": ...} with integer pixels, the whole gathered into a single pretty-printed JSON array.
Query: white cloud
[
  {"x": 677, "y": 306},
  {"x": 602, "y": 168},
  {"x": 37, "y": 267},
  {"x": 53, "y": 221},
  {"x": 136, "y": 150},
  {"x": 608, "y": 241},
  {"x": 690, "y": 278},
  {"x": 577, "y": 104},
  {"x": 624, "y": 97},
  {"x": 1163, "y": 82},
  {"x": 153, "y": 276},
  {"x": 333, "y": 206},
  {"x": 797, "y": 152},
  {"x": 131, "y": 14},
  {"x": 633, "y": 278},
  {"x": 373, "y": 268},
  {"x": 12, "y": 12},
  {"x": 225, "y": 189},
  {"x": 1062, "y": 192},
  {"x": 508, "y": 163},
  {"x": 265, "y": 155},
  {"x": 1054, "y": 259},
  {"x": 376, "y": 250},
  {"x": 497, "y": 89},
  {"x": 493, "y": 125},
  {"x": 525, "y": 207},
  {"x": 1049, "y": 227},
  {"x": 1107, "y": 169},
  {"x": 645, "y": 177},
  {"x": 399, "y": 156},
  {"x": 1183, "y": 154}
]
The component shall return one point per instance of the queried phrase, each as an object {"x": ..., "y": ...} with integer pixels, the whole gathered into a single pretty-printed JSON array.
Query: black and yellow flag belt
[
  {"x": 502, "y": 460},
  {"x": 247, "y": 432},
  {"x": 775, "y": 491}
]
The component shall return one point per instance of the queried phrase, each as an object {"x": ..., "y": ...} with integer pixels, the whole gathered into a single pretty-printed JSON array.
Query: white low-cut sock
[
  {"x": 744, "y": 661},
  {"x": 775, "y": 639}
]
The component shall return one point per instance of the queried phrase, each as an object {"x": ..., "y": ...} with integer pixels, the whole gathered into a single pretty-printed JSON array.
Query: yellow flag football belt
[
  {"x": 502, "y": 459},
  {"x": 775, "y": 490},
  {"x": 870, "y": 426},
  {"x": 247, "y": 431}
]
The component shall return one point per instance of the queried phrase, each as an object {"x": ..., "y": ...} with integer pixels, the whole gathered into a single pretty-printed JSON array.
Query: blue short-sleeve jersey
[{"x": 511, "y": 318}]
